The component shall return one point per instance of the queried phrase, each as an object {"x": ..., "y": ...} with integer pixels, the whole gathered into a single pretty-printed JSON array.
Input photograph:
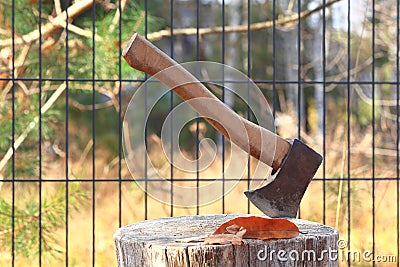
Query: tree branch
[
  {"x": 241, "y": 28},
  {"x": 31, "y": 126},
  {"x": 77, "y": 8}
]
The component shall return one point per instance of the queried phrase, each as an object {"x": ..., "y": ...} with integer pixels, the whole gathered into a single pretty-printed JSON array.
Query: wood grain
[{"x": 159, "y": 243}]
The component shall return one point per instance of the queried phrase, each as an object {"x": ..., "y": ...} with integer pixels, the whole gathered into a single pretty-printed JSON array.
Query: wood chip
[{"x": 223, "y": 239}]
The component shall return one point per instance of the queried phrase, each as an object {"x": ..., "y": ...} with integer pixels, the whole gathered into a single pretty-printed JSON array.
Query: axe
[{"x": 293, "y": 162}]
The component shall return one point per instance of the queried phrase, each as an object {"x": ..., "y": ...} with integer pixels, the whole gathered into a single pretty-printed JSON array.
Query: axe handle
[{"x": 144, "y": 56}]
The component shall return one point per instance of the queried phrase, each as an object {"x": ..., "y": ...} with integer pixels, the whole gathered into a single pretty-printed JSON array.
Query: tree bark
[{"x": 289, "y": 47}]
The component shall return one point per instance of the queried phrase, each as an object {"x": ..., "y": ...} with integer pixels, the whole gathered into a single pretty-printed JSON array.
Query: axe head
[{"x": 282, "y": 196}]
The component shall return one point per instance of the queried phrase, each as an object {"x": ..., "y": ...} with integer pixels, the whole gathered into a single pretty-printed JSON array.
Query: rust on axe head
[{"x": 282, "y": 196}]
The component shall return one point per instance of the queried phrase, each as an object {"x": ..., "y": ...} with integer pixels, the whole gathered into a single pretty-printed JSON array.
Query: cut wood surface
[{"x": 178, "y": 241}]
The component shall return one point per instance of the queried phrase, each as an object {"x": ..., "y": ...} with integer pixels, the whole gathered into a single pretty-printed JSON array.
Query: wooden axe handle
[{"x": 259, "y": 142}]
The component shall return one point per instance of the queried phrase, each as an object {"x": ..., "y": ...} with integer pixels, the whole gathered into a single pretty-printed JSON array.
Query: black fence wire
[{"x": 329, "y": 70}]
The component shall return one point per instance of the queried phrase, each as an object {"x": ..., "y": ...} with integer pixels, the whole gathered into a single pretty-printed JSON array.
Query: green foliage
[
  {"x": 107, "y": 48},
  {"x": 363, "y": 115},
  {"x": 58, "y": 57},
  {"x": 26, "y": 19},
  {"x": 26, "y": 112},
  {"x": 27, "y": 217}
]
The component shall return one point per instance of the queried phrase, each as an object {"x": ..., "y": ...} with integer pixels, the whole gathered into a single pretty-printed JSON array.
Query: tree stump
[{"x": 178, "y": 241}]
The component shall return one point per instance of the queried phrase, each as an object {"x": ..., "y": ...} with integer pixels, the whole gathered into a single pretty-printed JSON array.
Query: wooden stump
[{"x": 177, "y": 241}]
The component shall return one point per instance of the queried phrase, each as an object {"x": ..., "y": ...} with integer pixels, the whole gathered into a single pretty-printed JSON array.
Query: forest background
[{"x": 63, "y": 97}]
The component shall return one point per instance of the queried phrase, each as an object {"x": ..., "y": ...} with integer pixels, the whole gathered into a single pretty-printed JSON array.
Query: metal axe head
[{"x": 282, "y": 196}]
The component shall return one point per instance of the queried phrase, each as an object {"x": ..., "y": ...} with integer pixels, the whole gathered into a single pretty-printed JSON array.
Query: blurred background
[{"x": 329, "y": 69}]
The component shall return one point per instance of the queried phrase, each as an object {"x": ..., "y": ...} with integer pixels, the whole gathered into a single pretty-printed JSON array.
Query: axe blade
[{"x": 282, "y": 196}]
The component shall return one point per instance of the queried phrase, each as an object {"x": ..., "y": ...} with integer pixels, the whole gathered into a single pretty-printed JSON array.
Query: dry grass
[{"x": 106, "y": 203}]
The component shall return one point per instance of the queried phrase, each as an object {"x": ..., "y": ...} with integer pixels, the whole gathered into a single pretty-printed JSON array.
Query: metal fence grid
[{"x": 370, "y": 190}]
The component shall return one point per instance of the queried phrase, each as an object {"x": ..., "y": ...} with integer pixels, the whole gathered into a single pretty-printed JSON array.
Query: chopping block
[{"x": 178, "y": 241}]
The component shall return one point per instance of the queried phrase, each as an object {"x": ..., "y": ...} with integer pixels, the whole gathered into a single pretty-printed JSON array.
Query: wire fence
[{"x": 329, "y": 70}]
